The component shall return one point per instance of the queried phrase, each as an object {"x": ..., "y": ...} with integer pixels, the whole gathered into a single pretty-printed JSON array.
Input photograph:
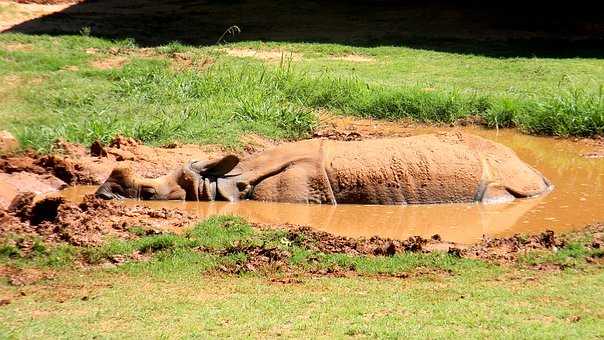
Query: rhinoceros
[{"x": 422, "y": 169}]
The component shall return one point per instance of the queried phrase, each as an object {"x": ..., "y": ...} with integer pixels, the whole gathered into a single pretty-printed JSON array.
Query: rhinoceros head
[{"x": 197, "y": 180}]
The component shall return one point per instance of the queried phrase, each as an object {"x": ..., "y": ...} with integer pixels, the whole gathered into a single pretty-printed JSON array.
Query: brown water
[{"x": 577, "y": 199}]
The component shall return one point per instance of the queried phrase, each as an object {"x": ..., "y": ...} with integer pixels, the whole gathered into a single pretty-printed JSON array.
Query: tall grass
[{"x": 151, "y": 101}]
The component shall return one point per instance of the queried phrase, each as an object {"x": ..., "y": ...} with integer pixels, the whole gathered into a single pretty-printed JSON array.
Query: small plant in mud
[{"x": 136, "y": 230}]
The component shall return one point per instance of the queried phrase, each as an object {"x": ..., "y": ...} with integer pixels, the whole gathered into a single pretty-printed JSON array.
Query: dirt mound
[
  {"x": 63, "y": 168},
  {"x": 504, "y": 251},
  {"x": 55, "y": 220},
  {"x": 8, "y": 142},
  {"x": 269, "y": 258},
  {"x": 74, "y": 164},
  {"x": 328, "y": 243},
  {"x": 31, "y": 172},
  {"x": 508, "y": 250},
  {"x": 257, "y": 258}
]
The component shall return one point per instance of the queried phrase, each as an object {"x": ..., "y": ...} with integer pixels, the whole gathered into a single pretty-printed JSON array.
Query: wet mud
[
  {"x": 502, "y": 251},
  {"x": 573, "y": 166},
  {"x": 88, "y": 223},
  {"x": 74, "y": 164},
  {"x": 576, "y": 200}
]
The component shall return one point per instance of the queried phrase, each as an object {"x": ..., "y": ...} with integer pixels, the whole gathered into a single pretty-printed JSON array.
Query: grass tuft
[{"x": 58, "y": 93}]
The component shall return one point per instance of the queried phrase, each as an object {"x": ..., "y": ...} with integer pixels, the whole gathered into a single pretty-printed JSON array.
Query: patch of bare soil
[
  {"x": 116, "y": 57},
  {"x": 266, "y": 55},
  {"x": 55, "y": 220},
  {"x": 17, "y": 47},
  {"x": 185, "y": 61},
  {"x": 110, "y": 62},
  {"x": 354, "y": 58},
  {"x": 24, "y": 276},
  {"x": 350, "y": 128}
]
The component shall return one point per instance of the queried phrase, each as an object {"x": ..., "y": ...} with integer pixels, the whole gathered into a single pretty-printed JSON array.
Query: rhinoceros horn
[{"x": 212, "y": 177}]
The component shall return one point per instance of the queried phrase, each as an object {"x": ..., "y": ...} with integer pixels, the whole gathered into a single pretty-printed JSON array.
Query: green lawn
[
  {"x": 53, "y": 87},
  {"x": 474, "y": 305},
  {"x": 180, "y": 292},
  {"x": 440, "y": 71}
]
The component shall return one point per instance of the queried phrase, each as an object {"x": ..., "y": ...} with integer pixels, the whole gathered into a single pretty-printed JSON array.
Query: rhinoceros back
[{"x": 415, "y": 170}]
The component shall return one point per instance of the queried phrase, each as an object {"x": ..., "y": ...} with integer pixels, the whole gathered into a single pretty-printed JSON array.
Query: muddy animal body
[{"x": 424, "y": 169}]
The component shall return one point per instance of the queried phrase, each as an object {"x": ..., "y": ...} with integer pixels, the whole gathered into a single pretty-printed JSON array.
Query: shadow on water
[{"x": 508, "y": 29}]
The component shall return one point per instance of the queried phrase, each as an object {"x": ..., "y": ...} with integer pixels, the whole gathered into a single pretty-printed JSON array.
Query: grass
[
  {"x": 178, "y": 293},
  {"x": 219, "y": 241},
  {"x": 546, "y": 306},
  {"x": 52, "y": 89}
]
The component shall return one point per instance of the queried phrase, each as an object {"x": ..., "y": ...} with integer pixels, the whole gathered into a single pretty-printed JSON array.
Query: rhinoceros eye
[{"x": 147, "y": 193}]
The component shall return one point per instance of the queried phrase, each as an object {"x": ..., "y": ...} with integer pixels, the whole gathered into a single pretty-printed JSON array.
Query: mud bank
[
  {"x": 501, "y": 251},
  {"x": 574, "y": 166},
  {"x": 74, "y": 164},
  {"x": 89, "y": 223}
]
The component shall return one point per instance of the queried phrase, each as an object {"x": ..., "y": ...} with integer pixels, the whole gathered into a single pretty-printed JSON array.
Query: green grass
[
  {"x": 220, "y": 241},
  {"x": 51, "y": 90},
  {"x": 177, "y": 292},
  {"x": 524, "y": 306}
]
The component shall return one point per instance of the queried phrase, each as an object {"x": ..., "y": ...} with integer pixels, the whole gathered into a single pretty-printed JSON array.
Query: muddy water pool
[{"x": 577, "y": 200}]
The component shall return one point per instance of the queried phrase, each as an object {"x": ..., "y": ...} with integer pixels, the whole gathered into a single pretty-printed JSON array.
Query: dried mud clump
[
  {"x": 324, "y": 242},
  {"x": 97, "y": 149},
  {"x": 60, "y": 167},
  {"x": 66, "y": 170},
  {"x": 120, "y": 141},
  {"x": 328, "y": 243},
  {"x": 508, "y": 250},
  {"x": 258, "y": 258},
  {"x": 21, "y": 205},
  {"x": 270, "y": 258},
  {"x": 56, "y": 220}
]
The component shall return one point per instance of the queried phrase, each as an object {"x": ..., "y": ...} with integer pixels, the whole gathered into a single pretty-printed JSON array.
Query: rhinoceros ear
[{"x": 216, "y": 167}]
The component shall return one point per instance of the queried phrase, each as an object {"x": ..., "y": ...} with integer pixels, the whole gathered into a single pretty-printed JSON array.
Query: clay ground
[{"x": 98, "y": 268}]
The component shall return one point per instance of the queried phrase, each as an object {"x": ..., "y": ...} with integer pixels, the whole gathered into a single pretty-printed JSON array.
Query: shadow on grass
[{"x": 508, "y": 29}]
